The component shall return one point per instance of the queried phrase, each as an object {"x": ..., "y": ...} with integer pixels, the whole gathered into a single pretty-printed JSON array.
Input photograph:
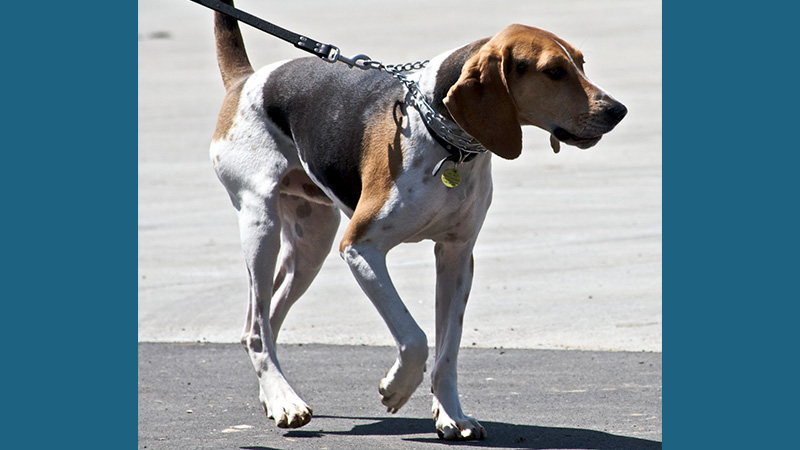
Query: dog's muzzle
[
  {"x": 604, "y": 122},
  {"x": 571, "y": 139}
]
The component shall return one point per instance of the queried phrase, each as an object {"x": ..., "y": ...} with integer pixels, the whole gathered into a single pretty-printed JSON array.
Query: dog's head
[{"x": 528, "y": 76}]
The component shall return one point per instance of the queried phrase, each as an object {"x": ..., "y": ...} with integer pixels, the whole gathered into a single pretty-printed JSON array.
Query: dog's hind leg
[
  {"x": 308, "y": 230},
  {"x": 260, "y": 229}
]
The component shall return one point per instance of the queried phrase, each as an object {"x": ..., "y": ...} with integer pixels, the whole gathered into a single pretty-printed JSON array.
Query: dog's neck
[{"x": 434, "y": 83}]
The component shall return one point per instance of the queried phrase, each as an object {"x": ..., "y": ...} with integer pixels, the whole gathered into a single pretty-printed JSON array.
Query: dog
[{"x": 299, "y": 141}]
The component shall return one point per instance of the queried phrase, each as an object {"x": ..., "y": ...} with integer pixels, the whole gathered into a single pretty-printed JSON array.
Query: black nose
[{"x": 617, "y": 112}]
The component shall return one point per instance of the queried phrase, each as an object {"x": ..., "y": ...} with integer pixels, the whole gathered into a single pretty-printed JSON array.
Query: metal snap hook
[{"x": 361, "y": 61}]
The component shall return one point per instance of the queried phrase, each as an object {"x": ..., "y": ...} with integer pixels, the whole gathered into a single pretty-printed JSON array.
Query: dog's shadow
[{"x": 502, "y": 435}]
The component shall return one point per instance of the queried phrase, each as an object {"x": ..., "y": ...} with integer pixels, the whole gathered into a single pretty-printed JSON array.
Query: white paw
[
  {"x": 286, "y": 408},
  {"x": 460, "y": 427},
  {"x": 398, "y": 385}
]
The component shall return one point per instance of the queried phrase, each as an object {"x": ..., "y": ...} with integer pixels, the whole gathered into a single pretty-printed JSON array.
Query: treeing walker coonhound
[{"x": 298, "y": 141}]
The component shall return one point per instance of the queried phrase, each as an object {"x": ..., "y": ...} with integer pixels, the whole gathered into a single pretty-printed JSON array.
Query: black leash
[{"x": 327, "y": 52}]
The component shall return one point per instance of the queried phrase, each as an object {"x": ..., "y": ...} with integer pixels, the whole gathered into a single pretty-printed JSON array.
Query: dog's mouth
[{"x": 582, "y": 142}]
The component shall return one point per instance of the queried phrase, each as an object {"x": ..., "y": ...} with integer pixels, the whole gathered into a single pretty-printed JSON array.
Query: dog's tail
[{"x": 231, "y": 55}]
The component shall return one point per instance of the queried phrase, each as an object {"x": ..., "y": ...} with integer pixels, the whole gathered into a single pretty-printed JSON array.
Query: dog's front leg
[
  {"x": 368, "y": 264},
  {"x": 454, "y": 268}
]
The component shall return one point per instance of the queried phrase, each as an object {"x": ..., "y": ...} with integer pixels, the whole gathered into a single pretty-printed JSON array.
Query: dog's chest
[{"x": 422, "y": 207}]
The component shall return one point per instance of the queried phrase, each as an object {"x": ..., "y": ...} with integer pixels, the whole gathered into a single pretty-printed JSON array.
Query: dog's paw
[
  {"x": 398, "y": 385},
  {"x": 460, "y": 428},
  {"x": 291, "y": 415},
  {"x": 288, "y": 410}
]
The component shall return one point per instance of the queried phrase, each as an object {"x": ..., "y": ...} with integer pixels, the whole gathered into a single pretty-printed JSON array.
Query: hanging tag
[{"x": 451, "y": 178}]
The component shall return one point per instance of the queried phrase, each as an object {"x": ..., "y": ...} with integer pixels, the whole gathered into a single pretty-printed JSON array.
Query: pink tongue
[{"x": 555, "y": 144}]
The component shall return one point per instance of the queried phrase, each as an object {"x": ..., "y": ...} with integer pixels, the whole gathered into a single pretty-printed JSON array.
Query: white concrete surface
[{"x": 570, "y": 256}]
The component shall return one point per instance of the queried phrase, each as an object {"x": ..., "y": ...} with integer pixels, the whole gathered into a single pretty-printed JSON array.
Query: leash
[
  {"x": 461, "y": 146},
  {"x": 327, "y": 52}
]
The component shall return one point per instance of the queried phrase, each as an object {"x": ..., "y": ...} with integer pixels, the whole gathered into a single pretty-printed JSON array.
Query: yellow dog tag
[{"x": 451, "y": 178}]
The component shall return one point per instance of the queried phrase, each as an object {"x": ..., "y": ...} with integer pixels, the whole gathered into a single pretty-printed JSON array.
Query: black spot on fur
[{"x": 303, "y": 210}]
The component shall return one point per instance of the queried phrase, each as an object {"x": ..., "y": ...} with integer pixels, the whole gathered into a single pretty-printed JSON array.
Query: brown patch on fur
[
  {"x": 231, "y": 55},
  {"x": 230, "y": 106},
  {"x": 461, "y": 320},
  {"x": 234, "y": 66},
  {"x": 381, "y": 164}
]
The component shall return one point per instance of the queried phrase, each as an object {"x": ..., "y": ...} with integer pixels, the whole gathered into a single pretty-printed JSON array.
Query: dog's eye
[
  {"x": 522, "y": 67},
  {"x": 556, "y": 73}
]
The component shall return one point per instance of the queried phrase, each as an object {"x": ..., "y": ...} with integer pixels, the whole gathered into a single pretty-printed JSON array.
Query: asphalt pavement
[{"x": 205, "y": 396}]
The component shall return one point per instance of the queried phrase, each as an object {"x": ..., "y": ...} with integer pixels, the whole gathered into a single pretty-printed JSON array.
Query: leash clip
[
  {"x": 361, "y": 61},
  {"x": 333, "y": 55}
]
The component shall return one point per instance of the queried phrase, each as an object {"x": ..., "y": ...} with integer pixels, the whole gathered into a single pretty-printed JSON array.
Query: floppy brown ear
[{"x": 481, "y": 104}]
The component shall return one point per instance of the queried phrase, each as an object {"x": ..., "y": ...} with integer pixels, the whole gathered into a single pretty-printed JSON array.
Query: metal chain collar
[{"x": 446, "y": 129}]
